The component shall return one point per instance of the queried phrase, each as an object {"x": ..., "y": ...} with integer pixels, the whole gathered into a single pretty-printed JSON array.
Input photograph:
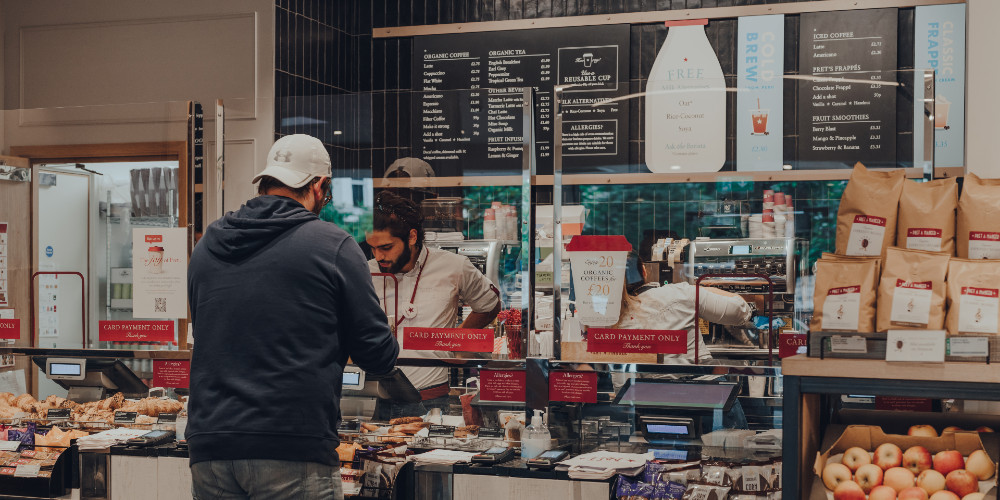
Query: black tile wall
[{"x": 332, "y": 75}]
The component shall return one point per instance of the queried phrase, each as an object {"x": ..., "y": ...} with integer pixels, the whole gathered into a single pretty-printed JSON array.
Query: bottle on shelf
[{"x": 536, "y": 439}]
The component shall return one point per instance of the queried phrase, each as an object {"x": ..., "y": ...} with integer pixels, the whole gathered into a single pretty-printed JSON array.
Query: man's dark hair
[
  {"x": 398, "y": 215},
  {"x": 268, "y": 183}
]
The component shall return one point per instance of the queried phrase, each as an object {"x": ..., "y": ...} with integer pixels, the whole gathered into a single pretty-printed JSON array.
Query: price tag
[
  {"x": 441, "y": 431},
  {"x": 915, "y": 345},
  {"x": 670, "y": 454},
  {"x": 9, "y": 445},
  {"x": 853, "y": 345},
  {"x": 490, "y": 432},
  {"x": 125, "y": 417},
  {"x": 166, "y": 418},
  {"x": 349, "y": 426},
  {"x": 972, "y": 347},
  {"x": 58, "y": 414},
  {"x": 27, "y": 470}
]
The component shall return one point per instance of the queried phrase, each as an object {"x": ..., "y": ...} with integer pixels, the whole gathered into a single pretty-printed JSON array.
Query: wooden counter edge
[{"x": 803, "y": 366}]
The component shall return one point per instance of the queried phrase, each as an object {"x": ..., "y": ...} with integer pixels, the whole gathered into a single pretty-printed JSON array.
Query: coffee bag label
[
  {"x": 984, "y": 245},
  {"x": 911, "y": 302},
  {"x": 841, "y": 308},
  {"x": 867, "y": 234},
  {"x": 978, "y": 310},
  {"x": 924, "y": 238}
]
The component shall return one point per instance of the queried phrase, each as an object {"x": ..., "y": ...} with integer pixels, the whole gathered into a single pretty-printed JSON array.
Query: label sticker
[
  {"x": 841, "y": 309},
  {"x": 984, "y": 245},
  {"x": 924, "y": 238},
  {"x": 978, "y": 310},
  {"x": 911, "y": 302},
  {"x": 968, "y": 347},
  {"x": 867, "y": 234},
  {"x": 855, "y": 345}
]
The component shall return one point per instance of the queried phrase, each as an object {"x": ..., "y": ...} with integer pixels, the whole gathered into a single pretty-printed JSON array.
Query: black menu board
[
  {"x": 467, "y": 113},
  {"x": 842, "y": 117}
]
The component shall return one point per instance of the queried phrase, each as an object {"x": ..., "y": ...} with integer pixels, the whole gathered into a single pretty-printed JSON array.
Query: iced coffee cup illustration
[
  {"x": 941, "y": 107},
  {"x": 759, "y": 117},
  {"x": 155, "y": 262}
]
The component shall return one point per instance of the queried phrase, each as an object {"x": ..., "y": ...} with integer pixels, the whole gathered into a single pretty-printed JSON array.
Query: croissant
[
  {"x": 405, "y": 420},
  {"x": 24, "y": 402},
  {"x": 6, "y": 398},
  {"x": 410, "y": 428}
]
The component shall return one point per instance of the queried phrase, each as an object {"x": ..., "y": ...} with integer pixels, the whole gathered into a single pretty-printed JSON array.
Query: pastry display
[{"x": 102, "y": 411}]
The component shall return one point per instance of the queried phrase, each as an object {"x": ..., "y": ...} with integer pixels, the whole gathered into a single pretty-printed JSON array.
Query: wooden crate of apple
[{"x": 912, "y": 472}]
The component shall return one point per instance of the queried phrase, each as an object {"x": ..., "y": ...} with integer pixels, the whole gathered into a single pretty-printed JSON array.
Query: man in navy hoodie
[{"x": 279, "y": 300}]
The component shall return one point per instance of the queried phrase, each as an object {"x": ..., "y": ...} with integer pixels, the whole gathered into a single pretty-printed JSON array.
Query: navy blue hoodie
[{"x": 279, "y": 300}]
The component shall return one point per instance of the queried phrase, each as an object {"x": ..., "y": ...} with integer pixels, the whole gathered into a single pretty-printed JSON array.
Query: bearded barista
[{"x": 431, "y": 283}]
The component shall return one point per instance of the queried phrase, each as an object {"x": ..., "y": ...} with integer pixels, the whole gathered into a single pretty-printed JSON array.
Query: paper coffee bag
[
  {"x": 844, "y": 297},
  {"x": 911, "y": 293},
  {"x": 827, "y": 256},
  {"x": 979, "y": 219},
  {"x": 973, "y": 297},
  {"x": 866, "y": 219},
  {"x": 927, "y": 215}
]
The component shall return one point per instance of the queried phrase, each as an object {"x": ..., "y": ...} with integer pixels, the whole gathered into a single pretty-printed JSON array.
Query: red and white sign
[
  {"x": 790, "y": 344},
  {"x": 154, "y": 238},
  {"x": 637, "y": 341},
  {"x": 924, "y": 238},
  {"x": 448, "y": 339},
  {"x": 136, "y": 331},
  {"x": 911, "y": 302},
  {"x": 984, "y": 245},
  {"x": 171, "y": 373},
  {"x": 979, "y": 310},
  {"x": 501, "y": 385},
  {"x": 10, "y": 329},
  {"x": 598, "y": 264},
  {"x": 573, "y": 387},
  {"x": 867, "y": 234}
]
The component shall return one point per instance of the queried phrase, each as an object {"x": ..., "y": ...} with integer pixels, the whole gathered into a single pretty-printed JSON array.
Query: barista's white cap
[
  {"x": 409, "y": 167},
  {"x": 295, "y": 160}
]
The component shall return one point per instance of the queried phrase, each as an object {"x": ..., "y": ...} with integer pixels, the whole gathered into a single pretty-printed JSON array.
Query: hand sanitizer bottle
[
  {"x": 537, "y": 438},
  {"x": 686, "y": 103}
]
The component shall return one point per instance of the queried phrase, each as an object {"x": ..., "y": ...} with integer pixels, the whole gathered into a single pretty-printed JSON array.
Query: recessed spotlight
[
  {"x": 675, "y": 167},
  {"x": 337, "y": 132},
  {"x": 786, "y": 167}
]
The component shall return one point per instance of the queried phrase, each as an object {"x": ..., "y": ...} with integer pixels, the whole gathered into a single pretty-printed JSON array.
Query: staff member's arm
[
  {"x": 724, "y": 308},
  {"x": 478, "y": 292},
  {"x": 364, "y": 331}
]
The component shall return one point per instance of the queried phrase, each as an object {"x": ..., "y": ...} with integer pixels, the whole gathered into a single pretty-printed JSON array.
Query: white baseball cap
[
  {"x": 410, "y": 167},
  {"x": 295, "y": 160}
]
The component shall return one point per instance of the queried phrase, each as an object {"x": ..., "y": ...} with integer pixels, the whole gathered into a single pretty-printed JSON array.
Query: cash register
[{"x": 677, "y": 411}]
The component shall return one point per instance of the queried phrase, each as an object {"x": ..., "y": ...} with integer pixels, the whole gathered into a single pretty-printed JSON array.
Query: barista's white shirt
[
  {"x": 447, "y": 277},
  {"x": 671, "y": 307}
]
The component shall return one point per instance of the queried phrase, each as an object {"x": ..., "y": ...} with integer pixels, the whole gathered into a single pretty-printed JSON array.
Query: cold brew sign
[
  {"x": 847, "y": 102},
  {"x": 468, "y": 110},
  {"x": 759, "y": 102}
]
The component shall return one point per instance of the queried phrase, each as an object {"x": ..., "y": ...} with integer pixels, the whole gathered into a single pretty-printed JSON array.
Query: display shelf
[
  {"x": 97, "y": 353},
  {"x": 807, "y": 380},
  {"x": 164, "y": 221}
]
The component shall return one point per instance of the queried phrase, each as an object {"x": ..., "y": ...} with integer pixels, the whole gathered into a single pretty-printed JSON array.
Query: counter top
[{"x": 801, "y": 365}]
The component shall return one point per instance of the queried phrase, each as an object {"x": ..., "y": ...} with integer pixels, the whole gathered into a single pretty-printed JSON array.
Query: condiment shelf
[{"x": 809, "y": 384}]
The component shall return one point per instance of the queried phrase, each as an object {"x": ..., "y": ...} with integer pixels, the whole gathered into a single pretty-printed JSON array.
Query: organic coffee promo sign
[
  {"x": 598, "y": 264},
  {"x": 136, "y": 331},
  {"x": 847, "y": 109},
  {"x": 448, "y": 339},
  {"x": 620, "y": 341},
  {"x": 467, "y": 112},
  {"x": 159, "y": 273},
  {"x": 502, "y": 385}
]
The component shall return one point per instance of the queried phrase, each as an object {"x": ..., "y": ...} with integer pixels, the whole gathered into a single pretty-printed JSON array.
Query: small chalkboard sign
[
  {"x": 58, "y": 414},
  {"x": 125, "y": 417}
]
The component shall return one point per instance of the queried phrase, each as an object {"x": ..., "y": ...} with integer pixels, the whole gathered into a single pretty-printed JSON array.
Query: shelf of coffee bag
[
  {"x": 97, "y": 353},
  {"x": 884, "y": 371},
  {"x": 874, "y": 346}
]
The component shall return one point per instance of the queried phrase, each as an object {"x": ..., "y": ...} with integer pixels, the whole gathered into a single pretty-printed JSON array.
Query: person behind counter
[
  {"x": 280, "y": 300},
  {"x": 431, "y": 283},
  {"x": 671, "y": 307}
]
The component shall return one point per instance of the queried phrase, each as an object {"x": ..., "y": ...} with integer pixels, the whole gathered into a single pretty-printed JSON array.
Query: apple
[
  {"x": 898, "y": 478},
  {"x": 983, "y": 428},
  {"x": 855, "y": 457},
  {"x": 944, "y": 495},
  {"x": 948, "y": 460},
  {"x": 931, "y": 481},
  {"x": 970, "y": 496},
  {"x": 917, "y": 459},
  {"x": 869, "y": 476},
  {"x": 980, "y": 465},
  {"x": 951, "y": 428},
  {"x": 961, "y": 482},
  {"x": 888, "y": 455},
  {"x": 912, "y": 493},
  {"x": 834, "y": 474},
  {"x": 848, "y": 490},
  {"x": 882, "y": 493},
  {"x": 922, "y": 430}
]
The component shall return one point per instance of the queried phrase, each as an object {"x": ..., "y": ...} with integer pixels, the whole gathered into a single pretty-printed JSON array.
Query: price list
[
  {"x": 470, "y": 93},
  {"x": 847, "y": 111}
]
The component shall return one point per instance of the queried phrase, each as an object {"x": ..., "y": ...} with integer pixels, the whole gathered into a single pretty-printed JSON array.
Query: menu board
[
  {"x": 467, "y": 111},
  {"x": 842, "y": 117}
]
